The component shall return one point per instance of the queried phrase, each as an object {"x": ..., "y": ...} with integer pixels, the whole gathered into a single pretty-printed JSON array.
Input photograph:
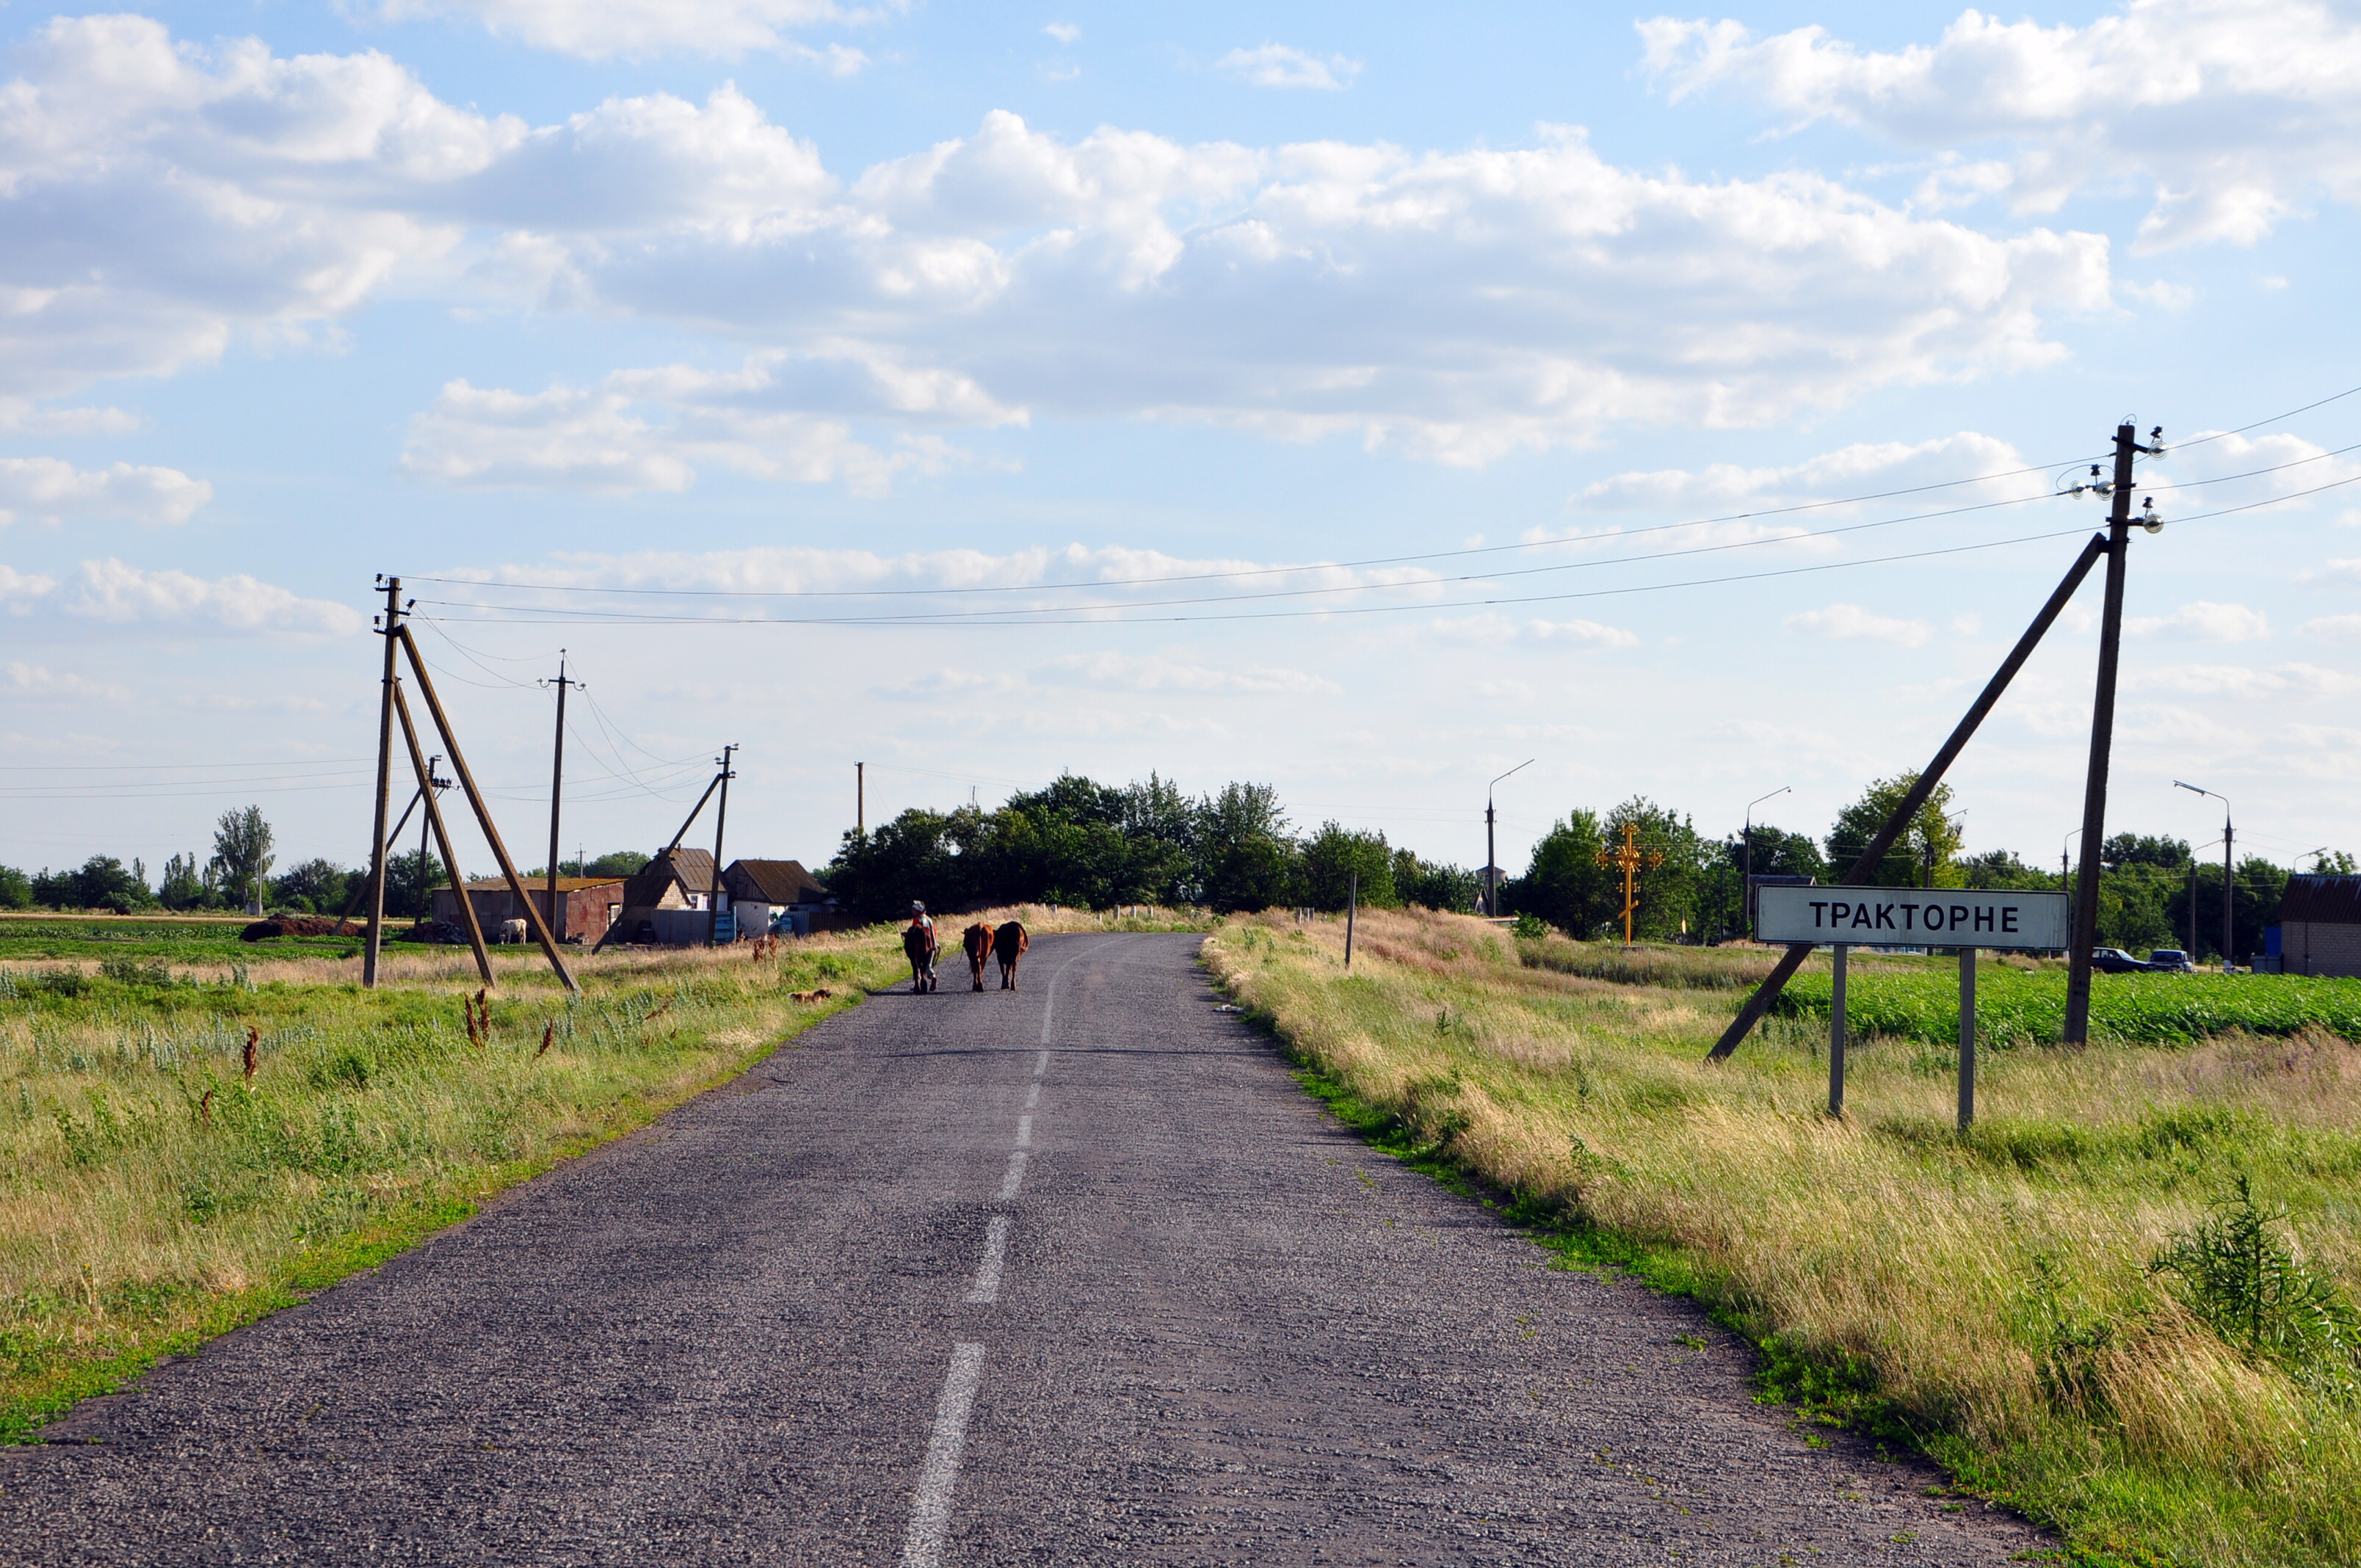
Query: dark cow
[
  {"x": 1009, "y": 945},
  {"x": 977, "y": 940},
  {"x": 918, "y": 944}
]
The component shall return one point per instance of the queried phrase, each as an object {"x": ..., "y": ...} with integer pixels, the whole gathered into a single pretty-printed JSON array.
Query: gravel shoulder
[{"x": 1214, "y": 1327}]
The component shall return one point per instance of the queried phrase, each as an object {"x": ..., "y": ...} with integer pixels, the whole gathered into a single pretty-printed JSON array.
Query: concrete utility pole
[
  {"x": 860, "y": 797},
  {"x": 1746, "y": 889},
  {"x": 720, "y": 824},
  {"x": 425, "y": 898},
  {"x": 1491, "y": 855},
  {"x": 556, "y": 782},
  {"x": 2102, "y": 729},
  {"x": 2229, "y": 959},
  {"x": 388, "y": 626}
]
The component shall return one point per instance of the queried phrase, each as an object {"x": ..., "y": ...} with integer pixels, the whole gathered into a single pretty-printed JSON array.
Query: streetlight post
[
  {"x": 1746, "y": 889},
  {"x": 1491, "y": 855},
  {"x": 2065, "y": 862},
  {"x": 2229, "y": 962}
]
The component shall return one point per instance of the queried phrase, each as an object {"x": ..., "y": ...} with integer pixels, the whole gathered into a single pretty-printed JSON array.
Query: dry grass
[{"x": 1993, "y": 1289}]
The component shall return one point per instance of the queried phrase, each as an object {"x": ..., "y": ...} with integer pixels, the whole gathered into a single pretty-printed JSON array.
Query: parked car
[
  {"x": 2170, "y": 961},
  {"x": 2114, "y": 961}
]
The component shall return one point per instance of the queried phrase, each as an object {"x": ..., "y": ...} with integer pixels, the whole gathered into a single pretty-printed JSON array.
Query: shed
[
  {"x": 762, "y": 890},
  {"x": 677, "y": 880},
  {"x": 586, "y": 905},
  {"x": 2320, "y": 926}
]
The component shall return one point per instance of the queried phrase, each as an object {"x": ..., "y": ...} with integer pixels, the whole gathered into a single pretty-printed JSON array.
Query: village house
[
  {"x": 763, "y": 892},
  {"x": 587, "y": 905},
  {"x": 665, "y": 903}
]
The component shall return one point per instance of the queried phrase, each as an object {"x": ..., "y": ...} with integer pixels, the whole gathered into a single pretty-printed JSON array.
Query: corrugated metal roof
[
  {"x": 781, "y": 881},
  {"x": 540, "y": 884},
  {"x": 693, "y": 869},
  {"x": 2321, "y": 900}
]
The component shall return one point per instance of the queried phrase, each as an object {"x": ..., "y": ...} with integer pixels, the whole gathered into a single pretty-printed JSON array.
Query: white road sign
[{"x": 1912, "y": 917}]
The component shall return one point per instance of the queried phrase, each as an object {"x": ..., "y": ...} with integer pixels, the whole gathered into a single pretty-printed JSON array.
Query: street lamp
[
  {"x": 1746, "y": 899},
  {"x": 2228, "y": 963},
  {"x": 2065, "y": 866},
  {"x": 1492, "y": 856}
]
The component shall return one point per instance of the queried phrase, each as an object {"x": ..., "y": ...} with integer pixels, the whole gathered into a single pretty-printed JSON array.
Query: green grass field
[
  {"x": 173, "y": 941},
  {"x": 2125, "y": 1303},
  {"x": 2016, "y": 1007}
]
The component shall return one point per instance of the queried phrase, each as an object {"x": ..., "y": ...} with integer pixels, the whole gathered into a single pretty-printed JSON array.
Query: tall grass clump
[
  {"x": 2122, "y": 1302},
  {"x": 181, "y": 1151}
]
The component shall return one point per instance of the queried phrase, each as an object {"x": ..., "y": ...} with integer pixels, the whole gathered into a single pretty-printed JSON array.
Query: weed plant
[
  {"x": 2120, "y": 1304},
  {"x": 153, "y": 1191}
]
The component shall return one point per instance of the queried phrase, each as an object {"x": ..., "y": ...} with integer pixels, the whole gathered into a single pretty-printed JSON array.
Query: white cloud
[
  {"x": 2232, "y": 113},
  {"x": 111, "y": 591},
  {"x": 1490, "y": 629},
  {"x": 2240, "y": 681},
  {"x": 647, "y": 429},
  {"x": 1459, "y": 305},
  {"x": 2345, "y": 569},
  {"x": 1276, "y": 65},
  {"x": 599, "y": 29},
  {"x": 39, "y": 682},
  {"x": 48, "y": 489},
  {"x": 1129, "y": 671},
  {"x": 2203, "y": 621},
  {"x": 20, "y": 590},
  {"x": 1862, "y": 467},
  {"x": 2333, "y": 629},
  {"x": 1064, "y": 32},
  {"x": 1849, "y": 621}
]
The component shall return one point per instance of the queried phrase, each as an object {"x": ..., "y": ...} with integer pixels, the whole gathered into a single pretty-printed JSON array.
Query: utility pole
[
  {"x": 720, "y": 824},
  {"x": 2229, "y": 962},
  {"x": 1491, "y": 855},
  {"x": 860, "y": 798},
  {"x": 388, "y": 626},
  {"x": 556, "y": 782},
  {"x": 2102, "y": 729},
  {"x": 426, "y": 900}
]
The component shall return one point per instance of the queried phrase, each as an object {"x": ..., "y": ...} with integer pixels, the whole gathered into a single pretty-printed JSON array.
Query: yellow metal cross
[{"x": 1632, "y": 859}]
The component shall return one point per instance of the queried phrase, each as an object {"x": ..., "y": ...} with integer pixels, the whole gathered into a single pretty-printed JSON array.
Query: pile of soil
[
  {"x": 442, "y": 931},
  {"x": 298, "y": 926}
]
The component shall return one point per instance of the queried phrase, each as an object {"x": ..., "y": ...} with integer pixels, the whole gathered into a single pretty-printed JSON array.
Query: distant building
[
  {"x": 665, "y": 901},
  {"x": 2320, "y": 926},
  {"x": 760, "y": 892},
  {"x": 587, "y": 905}
]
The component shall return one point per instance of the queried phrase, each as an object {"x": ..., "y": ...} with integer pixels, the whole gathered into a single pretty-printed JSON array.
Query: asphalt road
[{"x": 1074, "y": 1275}]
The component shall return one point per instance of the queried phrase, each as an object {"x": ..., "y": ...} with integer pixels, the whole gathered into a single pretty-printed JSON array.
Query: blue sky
[{"x": 780, "y": 298}]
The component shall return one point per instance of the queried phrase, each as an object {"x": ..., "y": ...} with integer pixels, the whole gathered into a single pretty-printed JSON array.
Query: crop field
[
  {"x": 182, "y": 941},
  {"x": 2125, "y": 1303},
  {"x": 2017, "y": 1007}
]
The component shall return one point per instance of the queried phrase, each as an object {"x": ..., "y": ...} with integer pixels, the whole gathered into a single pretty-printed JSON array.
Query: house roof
[
  {"x": 778, "y": 882},
  {"x": 2322, "y": 900},
  {"x": 692, "y": 868}
]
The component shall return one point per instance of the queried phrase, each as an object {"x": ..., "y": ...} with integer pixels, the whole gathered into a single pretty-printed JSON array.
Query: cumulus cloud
[
  {"x": 647, "y": 429},
  {"x": 1276, "y": 65},
  {"x": 20, "y": 591},
  {"x": 2232, "y": 113},
  {"x": 48, "y": 489},
  {"x": 2203, "y": 621},
  {"x": 1492, "y": 630},
  {"x": 1064, "y": 32},
  {"x": 111, "y": 591},
  {"x": 1864, "y": 467},
  {"x": 1459, "y": 305},
  {"x": 2327, "y": 627},
  {"x": 1851, "y": 622},
  {"x": 600, "y": 29},
  {"x": 39, "y": 683}
]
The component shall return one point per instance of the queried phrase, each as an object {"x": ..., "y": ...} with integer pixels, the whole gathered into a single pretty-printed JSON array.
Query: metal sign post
[{"x": 1847, "y": 918}]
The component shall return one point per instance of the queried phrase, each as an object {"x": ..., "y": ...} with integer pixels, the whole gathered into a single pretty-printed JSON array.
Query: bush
[{"x": 2239, "y": 1277}]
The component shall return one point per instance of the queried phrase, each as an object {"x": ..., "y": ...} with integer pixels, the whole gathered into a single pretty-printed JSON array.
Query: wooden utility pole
[
  {"x": 2102, "y": 734},
  {"x": 389, "y": 628},
  {"x": 425, "y": 898},
  {"x": 1632, "y": 859},
  {"x": 556, "y": 783},
  {"x": 483, "y": 811},
  {"x": 720, "y": 826},
  {"x": 1864, "y": 867},
  {"x": 418, "y": 763}
]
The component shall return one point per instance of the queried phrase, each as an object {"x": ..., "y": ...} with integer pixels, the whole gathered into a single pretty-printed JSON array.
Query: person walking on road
[{"x": 918, "y": 942}]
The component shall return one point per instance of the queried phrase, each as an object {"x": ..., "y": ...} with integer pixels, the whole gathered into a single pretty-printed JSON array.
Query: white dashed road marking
[
  {"x": 987, "y": 1273},
  {"x": 1033, "y": 1098},
  {"x": 930, "y": 1511},
  {"x": 1008, "y": 1183},
  {"x": 1024, "y": 1132}
]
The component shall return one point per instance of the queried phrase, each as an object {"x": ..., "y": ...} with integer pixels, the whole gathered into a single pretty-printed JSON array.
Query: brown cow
[
  {"x": 977, "y": 940},
  {"x": 1009, "y": 945},
  {"x": 918, "y": 946}
]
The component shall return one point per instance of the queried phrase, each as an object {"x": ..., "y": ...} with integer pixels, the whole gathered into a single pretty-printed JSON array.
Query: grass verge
[{"x": 2010, "y": 1301}]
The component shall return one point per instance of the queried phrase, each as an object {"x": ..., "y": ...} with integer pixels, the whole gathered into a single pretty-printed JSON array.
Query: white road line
[
  {"x": 1034, "y": 1097},
  {"x": 987, "y": 1273},
  {"x": 930, "y": 1510},
  {"x": 1024, "y": 1132},
  {"x": 1041, "y": 1066},
  {"x": 1008, "y": 1183}
]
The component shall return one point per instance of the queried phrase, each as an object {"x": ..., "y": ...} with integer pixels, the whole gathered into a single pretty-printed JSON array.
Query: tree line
[{"x": 238, "y": 876}]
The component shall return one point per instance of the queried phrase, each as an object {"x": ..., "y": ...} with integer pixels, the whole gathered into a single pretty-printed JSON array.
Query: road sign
[{"x": 1913, "y": 917}]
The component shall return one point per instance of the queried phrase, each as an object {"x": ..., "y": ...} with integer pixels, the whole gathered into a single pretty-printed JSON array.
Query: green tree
[
  {"x": 1431, "y": 884},
  {"x": 1333, "y": 856},
  {"x": 1930, "y": 839},
  {"x": 1669, "y": 892},
  {"x": 16, "y": 889},
  {"x": 315, "y": 886},
  {"x": 1564, "y": 883},
  {"x": 242, "y": 855},
  {"x": 1245, "y": 859},
  {"x": 619, "y": 863},
  {"x": 104, "y": 883},
  {"x": 921, "y": 854},
  {"x": 183, "y": 887}
]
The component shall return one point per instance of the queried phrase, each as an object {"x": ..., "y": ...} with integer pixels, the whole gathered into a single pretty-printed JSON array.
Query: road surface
[{"x": 1072, "y": 1275}]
